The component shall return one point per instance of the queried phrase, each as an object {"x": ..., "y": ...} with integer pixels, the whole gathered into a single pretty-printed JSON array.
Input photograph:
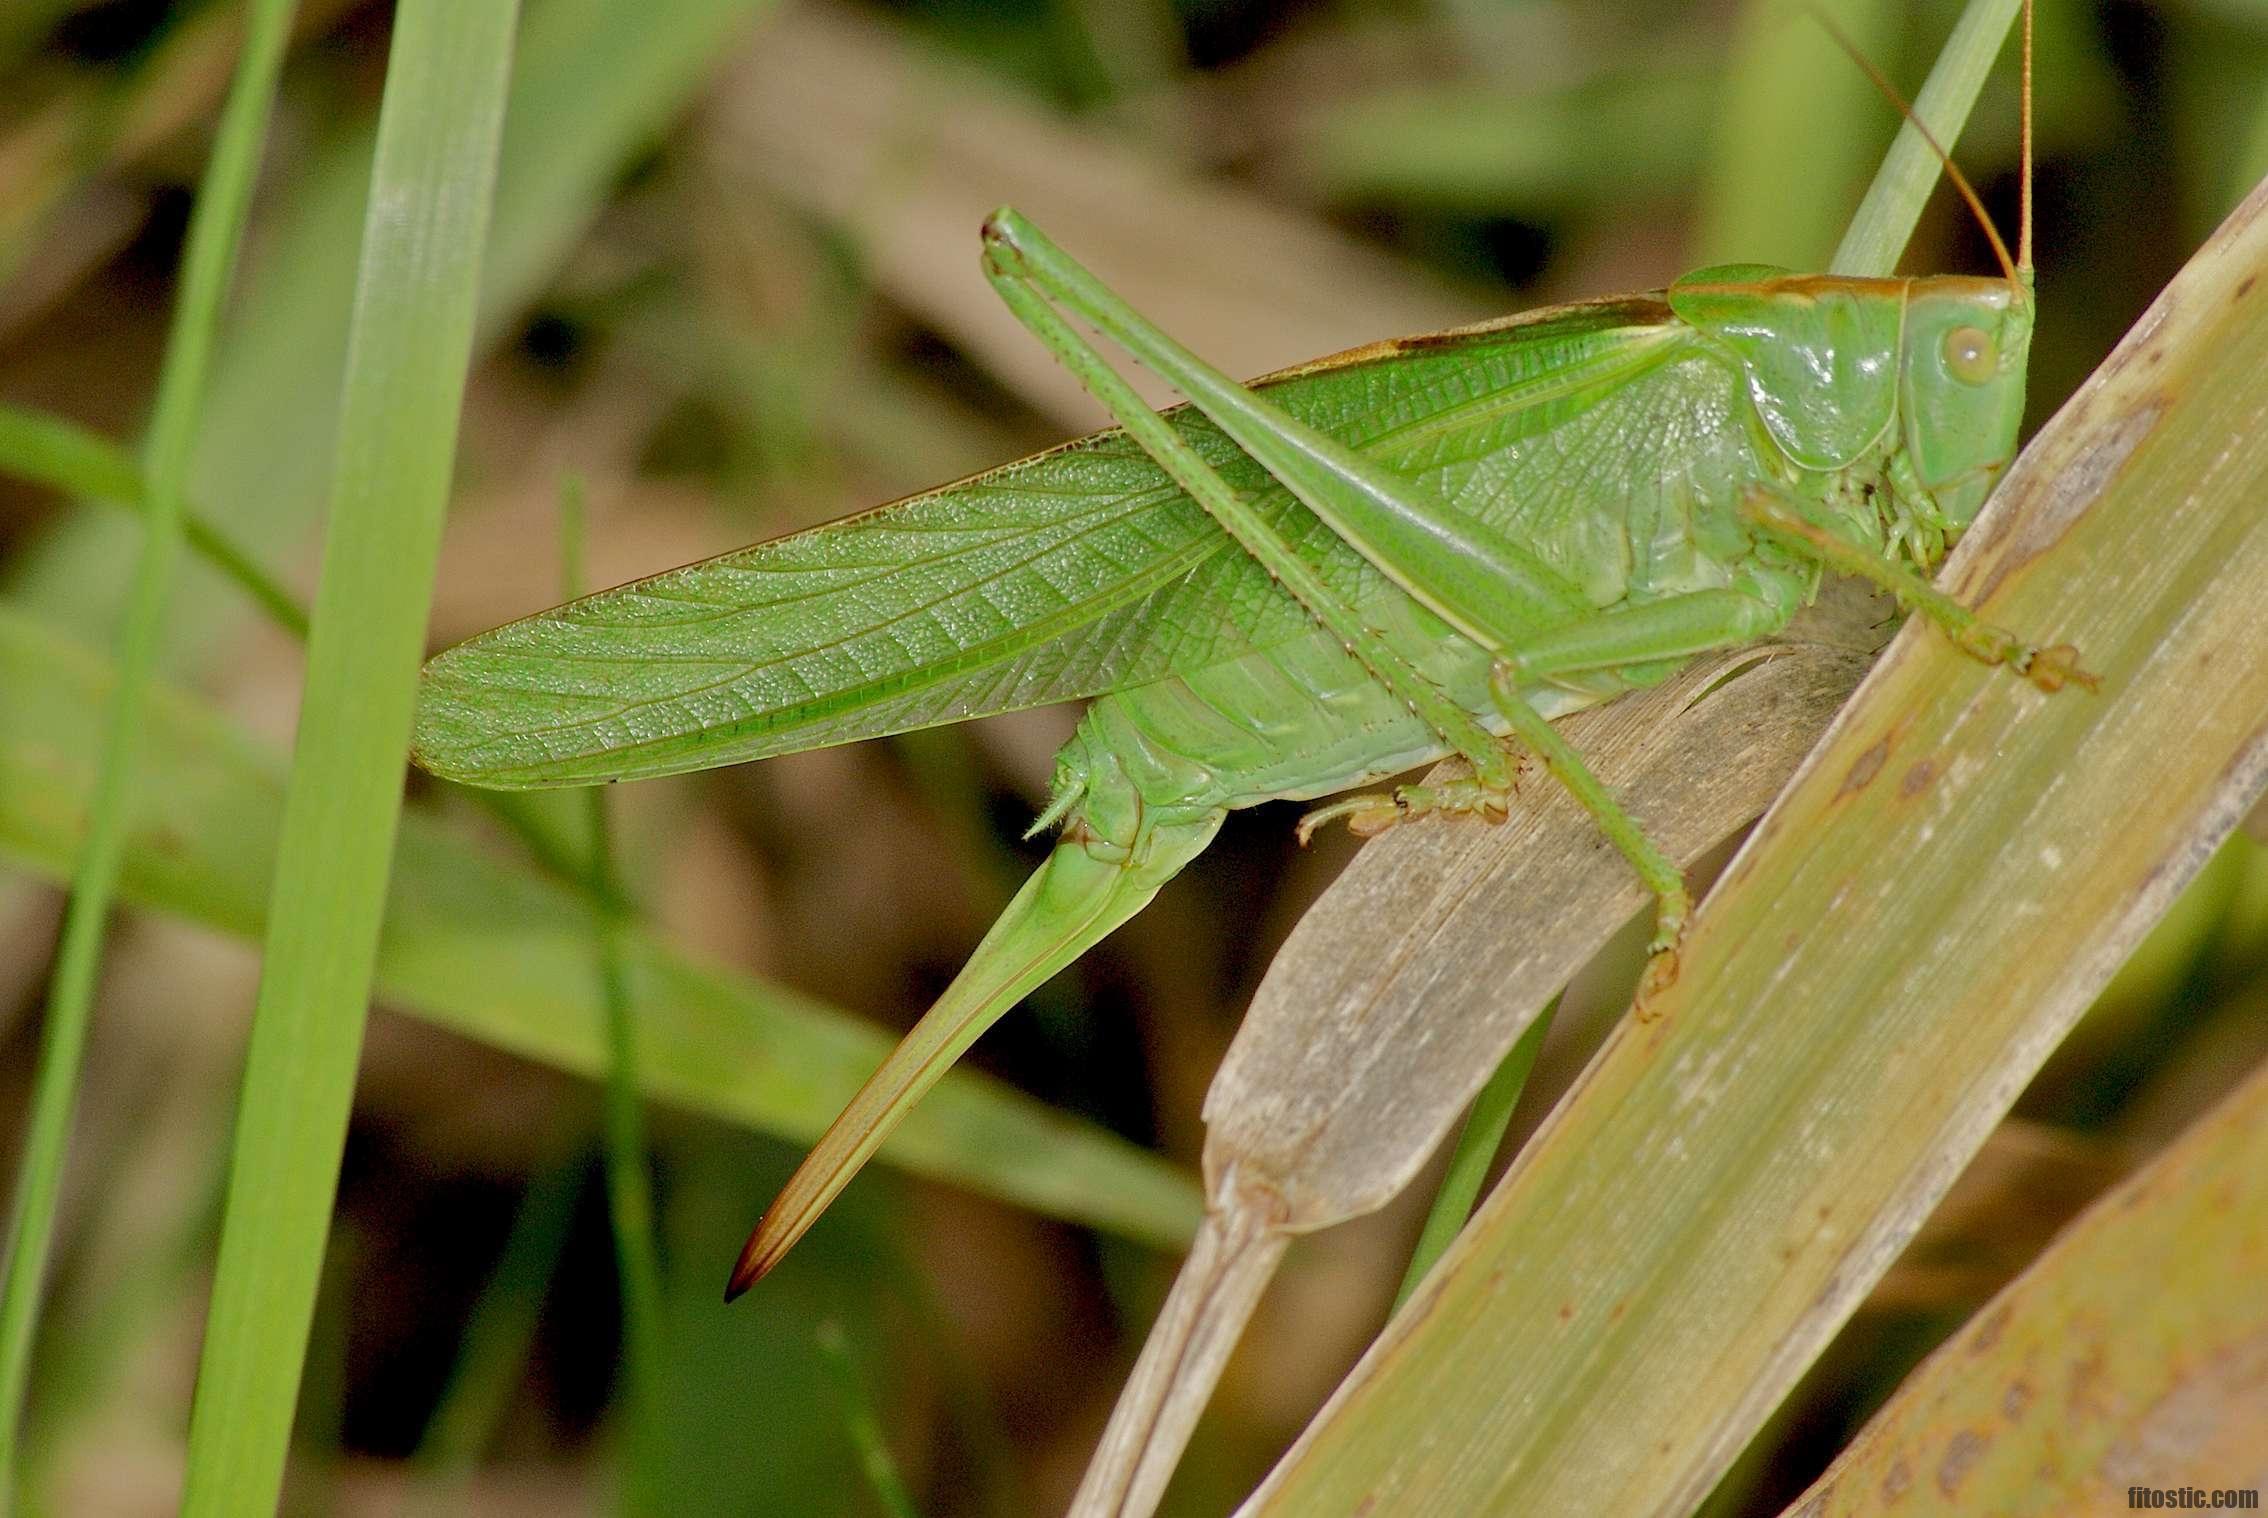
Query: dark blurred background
[{"x": 765, "y": 311}]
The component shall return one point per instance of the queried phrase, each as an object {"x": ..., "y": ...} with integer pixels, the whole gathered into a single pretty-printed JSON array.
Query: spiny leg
[
  {"x": 1027, "y": 291},
  {"x": 1673, "y": 627},
  {"x": 1484, "y": 582},
  {"x": 1672, "y": 902},
  {"x": 1612, "y": 638},
  {"x": 1781, "y": 516}
]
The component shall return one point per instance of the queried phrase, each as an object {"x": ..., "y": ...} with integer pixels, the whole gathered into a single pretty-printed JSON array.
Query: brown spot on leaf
[
  {"x": 1917, "y": 778},
  {"x": 1989, "y": 1331},
  {"x": 2017, "y": 1399},
  {"x": 2244, "y": 285},
  {"x": 2084, "y": 1394},
  {"x": 1863, "y": 771},
  {"x": 1962, "y": 1452},
  {"x": 1897, "y": 1479}
]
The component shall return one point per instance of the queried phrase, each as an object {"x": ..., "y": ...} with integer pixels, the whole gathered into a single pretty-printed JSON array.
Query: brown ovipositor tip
[{"x": 763, "y": 1250}]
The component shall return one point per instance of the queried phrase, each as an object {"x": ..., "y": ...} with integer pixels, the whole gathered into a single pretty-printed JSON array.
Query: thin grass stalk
[
  {"x": 1886, "y": 218},
  {"x": 409, "y": 348},
  {"x": 629, "y": 1188},
  {"x": 57, "y": 452},
  {"x": 875, "y": 1462},
  {"x": 1791, "y": 111},
  {"x": 493, "y": 1350},
  {"x": 216, "y": 228},
  {"x": 1477, "y": 1143}
]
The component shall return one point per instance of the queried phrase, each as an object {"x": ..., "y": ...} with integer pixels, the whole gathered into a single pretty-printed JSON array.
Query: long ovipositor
[{"x": 1610, "y": 445}]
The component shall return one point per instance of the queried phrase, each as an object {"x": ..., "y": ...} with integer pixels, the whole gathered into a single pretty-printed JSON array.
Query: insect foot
[
  {"x": 2051, "y": 669},
  {"x": 1659, "y": 975},
  {"x": 1661, "y": 970},
  {"x": 1368, "y": 816}
]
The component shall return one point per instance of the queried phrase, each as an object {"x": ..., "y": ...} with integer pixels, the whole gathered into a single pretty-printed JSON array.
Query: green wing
[{"x": 1076, "y": 571}]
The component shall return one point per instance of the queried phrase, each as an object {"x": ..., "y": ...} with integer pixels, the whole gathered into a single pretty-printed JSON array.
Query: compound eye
[{"x": 1969, "y": 355}]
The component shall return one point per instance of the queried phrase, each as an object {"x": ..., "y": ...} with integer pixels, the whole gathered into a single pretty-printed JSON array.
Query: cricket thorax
[{"x": 1896, "y": 401}]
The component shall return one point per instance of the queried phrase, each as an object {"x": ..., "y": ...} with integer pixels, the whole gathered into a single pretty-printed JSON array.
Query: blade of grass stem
[
  {"x": 1792, "y": 110},
  {"x": 216, "y": 227},
  {"x": 409, "y": 349},
  {"x": 502, "y": 1327},
  {"x": 594, "y": 84},
  {"x": 874, "y": 1458},
  {"x": 1477, "y": 1143},
  {"x": 59, "y": 453},
  {"x": 1886, "y": 218},
  {"x": 629, "y": 1189}
]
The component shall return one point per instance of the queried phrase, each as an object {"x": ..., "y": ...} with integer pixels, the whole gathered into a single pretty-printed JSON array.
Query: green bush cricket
[{"x": 1420, "y": 548}]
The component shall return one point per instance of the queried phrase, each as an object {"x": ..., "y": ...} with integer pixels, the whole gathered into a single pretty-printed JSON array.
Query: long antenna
[{"x": 2008, "y": 266}]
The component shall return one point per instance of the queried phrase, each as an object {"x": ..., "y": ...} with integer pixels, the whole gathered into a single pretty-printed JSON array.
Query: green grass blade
[
  {"x": 874, "y": 1459},
  {"x": 1477, "y": 1143},
  {"x": 500, "y": 953},
  {"x": 1885, "y": 220},
  {"x": 1793, "y": 110},
  {"x": 594, "y": 84},
  {"x": 493, "y": 1353},
  {"x": 59, "y": 453},
  {"x": 629, "y": 1190},
  {"x": 409, "y": 349},
  {"x": 2127, "y": 1354},
  {"x": 214, "y": 233},
  {"x": 1910, "y": 931}
]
